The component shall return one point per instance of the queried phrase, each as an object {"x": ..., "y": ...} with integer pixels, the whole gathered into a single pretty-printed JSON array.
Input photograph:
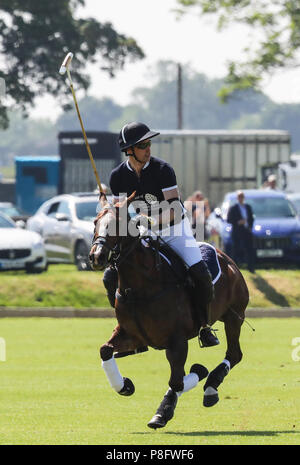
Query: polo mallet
[{"x": 63, "y": 69}]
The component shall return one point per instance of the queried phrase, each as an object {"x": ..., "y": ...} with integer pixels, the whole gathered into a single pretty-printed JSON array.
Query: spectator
[
  {"x": 199, "y": 210},
  {"x": 271, "y": 183},
  {"x": 240, "y": 215}
]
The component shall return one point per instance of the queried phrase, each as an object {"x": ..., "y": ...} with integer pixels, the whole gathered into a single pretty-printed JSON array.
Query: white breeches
[{"x": 180, "y": 238}]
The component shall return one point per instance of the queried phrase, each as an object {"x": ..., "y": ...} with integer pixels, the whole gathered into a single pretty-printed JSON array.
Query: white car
[
  {"x": 66, "y": 224},
  {"x": 20, "y": 249}
]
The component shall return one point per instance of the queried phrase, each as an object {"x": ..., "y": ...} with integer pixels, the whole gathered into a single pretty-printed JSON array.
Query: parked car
[
  {"x": 11, "y": 210},
  {"x": 295, "y": 199},
  {"x": 20, "y": 249},
  {"x": 276, "y": 226},
  {"x": 66, "y": 224}
]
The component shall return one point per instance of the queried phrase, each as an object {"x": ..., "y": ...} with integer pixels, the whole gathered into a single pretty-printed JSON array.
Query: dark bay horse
[{"x": 154, "y": 308}]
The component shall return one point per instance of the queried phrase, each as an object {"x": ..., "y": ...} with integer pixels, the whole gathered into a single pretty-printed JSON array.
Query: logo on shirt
[{"x": 150, "y": 198}]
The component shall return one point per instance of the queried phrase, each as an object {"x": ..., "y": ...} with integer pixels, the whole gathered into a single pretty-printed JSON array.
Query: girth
[{"x": 129, "y": 297}]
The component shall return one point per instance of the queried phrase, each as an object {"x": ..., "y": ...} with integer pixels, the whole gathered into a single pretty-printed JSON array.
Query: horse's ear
[{"x": 103, "y": 200}]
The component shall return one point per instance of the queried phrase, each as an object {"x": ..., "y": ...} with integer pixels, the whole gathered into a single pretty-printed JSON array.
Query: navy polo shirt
[{"x": 156, "y": 177}]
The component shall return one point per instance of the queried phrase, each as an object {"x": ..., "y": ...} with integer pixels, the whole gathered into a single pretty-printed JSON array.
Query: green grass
[
  {"x": 64, "y": 286},
  {"x": 54, "y": 391},
  {"x": 60, "y": 286}
]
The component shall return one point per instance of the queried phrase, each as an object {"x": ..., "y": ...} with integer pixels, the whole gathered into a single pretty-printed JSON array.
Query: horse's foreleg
[
  {"x": 179, "y": 382},
  {"x": 232, "y": 357},
  {"x": 117, "y": 342},
  {"x": 176, "y": 355},
  {"x": 165, "y": 411}
]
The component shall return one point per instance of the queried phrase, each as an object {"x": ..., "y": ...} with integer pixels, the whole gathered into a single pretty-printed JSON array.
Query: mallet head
[{"x": 65, "y": 63}]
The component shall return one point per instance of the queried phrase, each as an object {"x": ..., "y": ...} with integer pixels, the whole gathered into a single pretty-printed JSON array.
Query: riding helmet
[{"x": 133, "y": 133}]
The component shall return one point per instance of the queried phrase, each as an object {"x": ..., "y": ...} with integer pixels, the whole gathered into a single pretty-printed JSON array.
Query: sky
[{"x": 190, "y": 40}]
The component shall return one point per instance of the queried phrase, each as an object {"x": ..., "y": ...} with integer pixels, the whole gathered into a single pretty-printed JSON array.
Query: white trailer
[
  {"x": 288, "y": 175},
  {"x": 216, "y": 162}
]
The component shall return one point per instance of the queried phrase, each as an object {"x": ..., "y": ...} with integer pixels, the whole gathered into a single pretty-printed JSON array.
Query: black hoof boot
[
  {"x": 165, "y": 411},
  {"x": 207, "y": 338},
  {"x": 128, "y": 388},
  {"x": 200, "y": 370}
]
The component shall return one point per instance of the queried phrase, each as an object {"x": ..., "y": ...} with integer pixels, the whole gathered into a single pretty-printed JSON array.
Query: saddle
[{"x": 179, "y": 267}]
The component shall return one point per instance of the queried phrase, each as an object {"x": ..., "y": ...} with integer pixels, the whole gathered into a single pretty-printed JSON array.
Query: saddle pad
[{"x": 209, "y": 255}]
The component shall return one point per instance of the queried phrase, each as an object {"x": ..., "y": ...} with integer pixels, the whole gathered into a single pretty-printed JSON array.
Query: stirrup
[{"x": 209, "y": 339}]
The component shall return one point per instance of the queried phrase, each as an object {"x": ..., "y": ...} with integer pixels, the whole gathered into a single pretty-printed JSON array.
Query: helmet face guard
[{"x": 134, "y": 133}]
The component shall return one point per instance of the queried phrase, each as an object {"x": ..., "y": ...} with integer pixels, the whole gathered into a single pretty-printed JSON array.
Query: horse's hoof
[
  {"x": 128, "y": 388},
  {"x": 165, "y": 411},
  {"x": 200, "y": 370},
  {"x": 157, "y": 422},
  {"x": 211, "y": 397}
]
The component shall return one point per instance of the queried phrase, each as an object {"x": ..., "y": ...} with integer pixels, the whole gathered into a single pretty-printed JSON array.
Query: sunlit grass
[
  {"x": 63, "y": 285},
  {"x": 60, "y": 286},
  {"x": 54, "y": 391}
]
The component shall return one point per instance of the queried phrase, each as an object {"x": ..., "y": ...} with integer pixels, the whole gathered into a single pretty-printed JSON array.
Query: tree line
[
  {"x": 35, "y": 36},
  {"x": 156, "y": 105}
]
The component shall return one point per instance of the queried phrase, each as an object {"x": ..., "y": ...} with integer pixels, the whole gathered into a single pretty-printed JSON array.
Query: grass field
[
  {"x": 63, "y": 285},
  {"x": 54, "y": 391}
]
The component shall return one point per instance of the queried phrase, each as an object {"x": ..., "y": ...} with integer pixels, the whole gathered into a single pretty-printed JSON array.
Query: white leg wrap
[
  {"x": 113, "y": 375},
  {"x": 189, "y": 382}
]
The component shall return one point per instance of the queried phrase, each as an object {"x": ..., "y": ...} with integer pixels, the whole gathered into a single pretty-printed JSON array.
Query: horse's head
[{"x": 108, "y": 231}]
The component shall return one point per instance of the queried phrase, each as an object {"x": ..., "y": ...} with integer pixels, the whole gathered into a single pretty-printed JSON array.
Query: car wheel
[
  {"x": 32, "y": 270},
  {"x": 81, "y": 257}
]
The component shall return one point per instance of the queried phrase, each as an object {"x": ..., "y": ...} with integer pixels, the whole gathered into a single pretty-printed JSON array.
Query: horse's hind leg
[
  {"x": 232, "y": 357},
  {"x": 119, "y": 342}
]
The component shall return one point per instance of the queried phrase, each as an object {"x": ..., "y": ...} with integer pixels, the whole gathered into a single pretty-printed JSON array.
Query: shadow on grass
[
  {"x": 269, "y": 291},
  {"x": 233, "y": 433},
  {"x": 223, "y": 433}
]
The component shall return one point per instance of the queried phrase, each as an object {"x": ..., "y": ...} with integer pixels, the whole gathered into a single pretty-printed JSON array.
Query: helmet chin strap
[{"x": 134, "y": 155}]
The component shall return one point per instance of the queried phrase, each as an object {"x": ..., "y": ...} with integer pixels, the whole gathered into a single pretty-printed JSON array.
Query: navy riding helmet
[{"x": 133, "y": 133}]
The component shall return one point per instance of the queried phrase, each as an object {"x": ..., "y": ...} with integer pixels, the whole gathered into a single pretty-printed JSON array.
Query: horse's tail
[{"x": 240, "y": 305}]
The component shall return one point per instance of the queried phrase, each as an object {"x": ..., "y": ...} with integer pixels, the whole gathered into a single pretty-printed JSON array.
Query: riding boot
[{"x": 204, "y": 293}]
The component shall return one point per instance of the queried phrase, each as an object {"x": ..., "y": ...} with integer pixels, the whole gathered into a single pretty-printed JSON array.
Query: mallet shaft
[{"x": 65, "y": 68}]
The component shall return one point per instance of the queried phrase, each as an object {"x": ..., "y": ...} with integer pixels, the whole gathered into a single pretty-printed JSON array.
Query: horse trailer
[
  {"x": 217, "y": 162},
  {"x": 214, "y": 162},
  {"x": 38, "y": 178}
]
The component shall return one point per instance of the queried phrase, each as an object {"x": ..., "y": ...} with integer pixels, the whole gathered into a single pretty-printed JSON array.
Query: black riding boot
[{"x": 204, "y": 295}]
